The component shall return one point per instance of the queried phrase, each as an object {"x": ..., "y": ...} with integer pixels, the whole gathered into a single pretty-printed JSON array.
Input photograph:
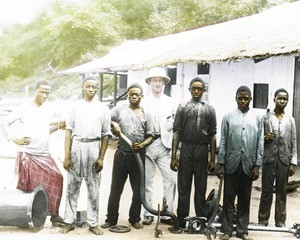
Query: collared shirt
[
  {"x": 162, "y": 110},
  {"x": 133, "y": 126},
  {"x": 89, "y": 119},
  {"x": 196, "y": 122},
  {"x": 242, "y": 140},
  {"x": 284, "y": 146}
]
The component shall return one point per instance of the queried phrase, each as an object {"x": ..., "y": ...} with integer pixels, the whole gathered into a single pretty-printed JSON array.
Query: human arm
[
  {"x": 68, "y": 164},
  {"x": 292, "y": 170},
  {"x": 293, "y": 161},
  {"x": 255, "y": 173},
  {"x": 222, "y": 147},
  {"x": 174, "y": 159},
  {"x": 98, "y": 165},
  {"x": 259, "y": 151},
  {"x": 137, "y": 146},
  {"x": 54, "y": 126},
  {"x": 211, "y": 163},
  {"x": 115, "y": 128},
  {"x": 12, "y": 127}
]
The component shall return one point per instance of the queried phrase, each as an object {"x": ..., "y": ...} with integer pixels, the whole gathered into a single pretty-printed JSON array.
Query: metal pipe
[
  {"x": 295, "y": 229},
  {"x": 142, "y": 189},
  {"x": 24, "y": 209}
]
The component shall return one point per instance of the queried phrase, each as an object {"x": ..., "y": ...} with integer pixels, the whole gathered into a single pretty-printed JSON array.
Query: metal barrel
[{"x": 24, "y": 209}]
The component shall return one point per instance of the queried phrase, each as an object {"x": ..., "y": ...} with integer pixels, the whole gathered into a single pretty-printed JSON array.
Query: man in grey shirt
[
  {"x": 240, "y": 156},
  {"x": 280, "y": 159},
  {"x": 137, "y": 126}
]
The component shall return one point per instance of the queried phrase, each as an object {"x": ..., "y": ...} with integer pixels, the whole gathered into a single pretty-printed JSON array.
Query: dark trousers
[
  {"x": 277, "y": 171},
  {"x": 124, "y": 165},
  {"x": 237, "y": 185},
  {"x": 193, "y": 163}
]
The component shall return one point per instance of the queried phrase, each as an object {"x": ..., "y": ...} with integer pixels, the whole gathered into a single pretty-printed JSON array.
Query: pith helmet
[{"x": 157, "y": 72}]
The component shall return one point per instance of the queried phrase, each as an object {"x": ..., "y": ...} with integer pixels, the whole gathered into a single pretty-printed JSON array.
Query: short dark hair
[
  {"x": 135, "y": 85},
  {"x": 90, "y": 77},
  {"x": 198, "y": 79},
  {"x": 243, "y": 89},
  {"x": 41, "y": 82},
  {"x": 280, "y": 90}
]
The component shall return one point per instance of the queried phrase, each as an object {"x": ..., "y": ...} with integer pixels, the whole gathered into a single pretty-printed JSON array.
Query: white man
[{"x": 158, "y": 153}]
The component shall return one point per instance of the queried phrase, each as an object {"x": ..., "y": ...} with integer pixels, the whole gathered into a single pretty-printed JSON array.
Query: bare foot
[
  {"x": 96, "y": 230},
  {"x": 67, "y": 228}
]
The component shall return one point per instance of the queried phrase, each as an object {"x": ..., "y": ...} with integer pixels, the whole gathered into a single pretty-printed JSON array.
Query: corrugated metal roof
[{"x": 275, "y": 31}]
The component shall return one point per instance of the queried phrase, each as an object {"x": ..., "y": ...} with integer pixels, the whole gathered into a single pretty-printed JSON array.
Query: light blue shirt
[{"x": 242, "y": 141}]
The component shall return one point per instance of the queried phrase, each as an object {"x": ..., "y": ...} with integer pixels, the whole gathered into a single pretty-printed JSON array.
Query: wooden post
[
  {"x": 101, "y": 87},
  {"x": 115, "y": 88}
]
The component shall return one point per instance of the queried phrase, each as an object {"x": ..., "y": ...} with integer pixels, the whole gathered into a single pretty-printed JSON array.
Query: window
[
  {"x": 260, "y": 95},
  {"x": 203, "y": 68}
]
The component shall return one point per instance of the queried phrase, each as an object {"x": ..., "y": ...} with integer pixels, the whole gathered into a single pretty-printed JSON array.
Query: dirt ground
[{"x": 8, "y": 181}]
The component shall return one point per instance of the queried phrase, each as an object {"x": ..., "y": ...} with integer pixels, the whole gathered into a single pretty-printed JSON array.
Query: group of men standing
[{"x": 158, "y": 130}]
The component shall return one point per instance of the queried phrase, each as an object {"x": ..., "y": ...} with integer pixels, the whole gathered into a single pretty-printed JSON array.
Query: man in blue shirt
[{"x": 240, "y": 156}]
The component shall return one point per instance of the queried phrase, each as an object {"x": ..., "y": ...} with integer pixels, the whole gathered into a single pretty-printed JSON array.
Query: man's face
[
  {"x": 197, "y": 90},
  {"x": 90, "y": 88},
  {"x": 156, "y": 84},
  {"x": 135, "y": 96},
  {"x": 281, "y": 100},
  {"x": 42, "y": 93},
  {"x": 243, "y": 100}
]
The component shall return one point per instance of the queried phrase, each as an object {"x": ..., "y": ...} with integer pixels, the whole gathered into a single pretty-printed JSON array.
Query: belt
[
  {"x": 156, "y": 136},
  {"x": 87, "y": 140}
]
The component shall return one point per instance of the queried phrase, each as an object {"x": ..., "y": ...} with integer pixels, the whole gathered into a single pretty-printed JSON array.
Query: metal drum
[{"x": 24, "y": 209}]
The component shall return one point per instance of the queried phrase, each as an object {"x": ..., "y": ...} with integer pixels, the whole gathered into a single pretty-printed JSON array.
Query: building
[{"x": 260, "y": 51}]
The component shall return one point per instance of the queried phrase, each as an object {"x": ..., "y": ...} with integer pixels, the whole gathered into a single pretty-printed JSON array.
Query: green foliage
[
  {"x": 76, "y": 31},
  {"x": 67, "y": 34}
]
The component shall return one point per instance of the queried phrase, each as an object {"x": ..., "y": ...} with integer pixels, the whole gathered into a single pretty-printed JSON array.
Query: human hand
[
  {"x": 68, "y": 164},
  {"x": 255, "y": 173},
  {"x": 137, "y": 146},
  {"x": 292, "y": 170},
  {"x": 22, "y": 141},
  {"x": 61, "y": 125},
  {"x": 220, "y": 171},
  {"x": 270, "y": 136},
  {"x": 211, "y": 166},
  {"x": 98, "y": 165},
  {"x": 174, "y": 164}
]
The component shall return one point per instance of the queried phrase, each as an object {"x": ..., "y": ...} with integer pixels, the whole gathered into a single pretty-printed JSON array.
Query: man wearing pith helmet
[{"x": 162, "y": 110}]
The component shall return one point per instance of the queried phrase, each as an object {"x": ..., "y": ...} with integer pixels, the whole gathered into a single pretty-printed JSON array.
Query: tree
[{"x": 68, "y": 35}]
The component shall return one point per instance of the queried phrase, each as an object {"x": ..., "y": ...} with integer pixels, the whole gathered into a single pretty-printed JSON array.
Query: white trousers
[
  {"x": 83, "y": 155},
  {"x": 158, "y": 155}
]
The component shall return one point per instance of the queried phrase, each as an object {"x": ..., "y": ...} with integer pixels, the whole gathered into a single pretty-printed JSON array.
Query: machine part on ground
[
  {"x": 211, "y": 231},
  {"x": 157, "y": 230},
  {"x": 254, "y": 227},
  {"x": 24, "y": 209},
  {"x": 195, "y": 225},
  {"x": 120, "y": 229},
  {"x": 176, "y": 226}
]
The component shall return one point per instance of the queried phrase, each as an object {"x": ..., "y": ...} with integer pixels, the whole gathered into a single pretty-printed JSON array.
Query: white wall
[{"x": 226, "y": 77}]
